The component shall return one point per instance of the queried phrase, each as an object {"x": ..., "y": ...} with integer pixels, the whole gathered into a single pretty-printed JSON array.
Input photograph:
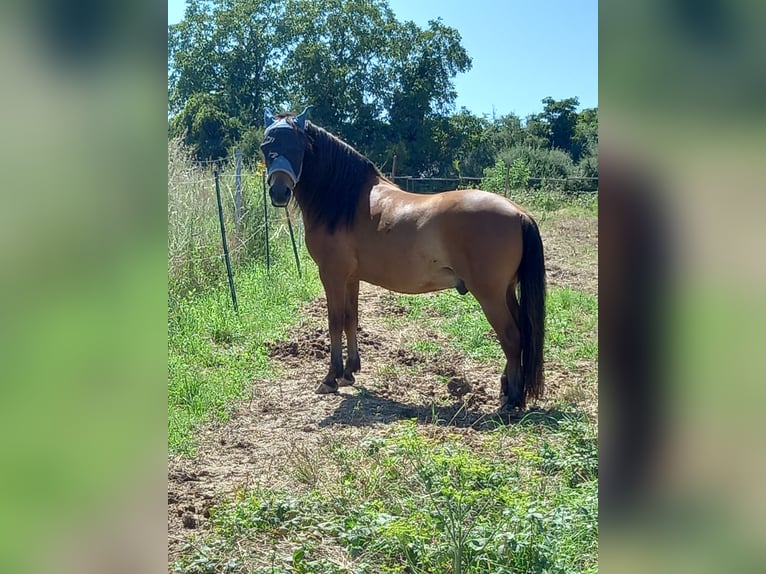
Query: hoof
[
  {"x": 506, "y": 406},
  {"x": 326, "y": 389},
  {"x": 346, "y": 380}
]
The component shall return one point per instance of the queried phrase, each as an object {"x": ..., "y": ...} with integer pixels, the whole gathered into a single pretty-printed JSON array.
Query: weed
[
  {"x": 409, "y": 502},
  {"x": 213, "y": 353}
]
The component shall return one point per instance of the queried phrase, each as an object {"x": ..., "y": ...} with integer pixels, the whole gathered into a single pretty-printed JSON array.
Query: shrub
[{"x": 542, "y": 163}]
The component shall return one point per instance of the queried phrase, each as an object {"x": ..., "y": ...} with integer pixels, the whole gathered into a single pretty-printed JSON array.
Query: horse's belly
[{"x": 405, "y": 275}]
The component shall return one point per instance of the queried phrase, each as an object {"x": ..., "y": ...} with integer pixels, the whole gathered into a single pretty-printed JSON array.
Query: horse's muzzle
[{"x": 280, "y": 194}]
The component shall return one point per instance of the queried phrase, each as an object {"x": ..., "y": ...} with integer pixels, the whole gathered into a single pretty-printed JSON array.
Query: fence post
[
  {"x": 507, "y": 180},
  {"x": 292, "y": 240},
  {"x": 393, "y": 169},
  {"x": 266, "y": 222},
  {"x": 238, "y": 192},
  {"x": 225, "y": 245}
]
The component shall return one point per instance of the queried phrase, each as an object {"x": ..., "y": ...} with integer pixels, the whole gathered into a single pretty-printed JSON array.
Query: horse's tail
[{"x": 532, "y": 308}]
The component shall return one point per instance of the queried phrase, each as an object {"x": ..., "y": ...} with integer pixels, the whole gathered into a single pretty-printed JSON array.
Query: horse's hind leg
[
  {"x": 503, "y": 316},
  {"x": 353, "y": 363},
  {"x": 514, "y": 392}
]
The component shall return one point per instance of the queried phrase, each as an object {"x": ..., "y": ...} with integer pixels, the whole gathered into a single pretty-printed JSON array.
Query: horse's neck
[
  {"x": 324, "y": 169},
  {"x": 333, "y": 184}
]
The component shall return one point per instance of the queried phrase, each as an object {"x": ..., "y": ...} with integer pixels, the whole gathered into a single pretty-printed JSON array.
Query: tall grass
[
  {"x": 194, "y": 236},
  {"x": 213, "y": 353}
]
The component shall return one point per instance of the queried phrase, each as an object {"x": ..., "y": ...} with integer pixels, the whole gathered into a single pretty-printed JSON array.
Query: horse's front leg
[
  {"x": 353, "y": 363},
  {"x": 335, "y": 291}
]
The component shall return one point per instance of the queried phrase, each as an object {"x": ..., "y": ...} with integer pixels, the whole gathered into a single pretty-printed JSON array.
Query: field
[{"x": 411, "y": 470}]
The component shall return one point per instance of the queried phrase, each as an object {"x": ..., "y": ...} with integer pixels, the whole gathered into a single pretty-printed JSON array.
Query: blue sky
[{"x": 522, "y": 50}]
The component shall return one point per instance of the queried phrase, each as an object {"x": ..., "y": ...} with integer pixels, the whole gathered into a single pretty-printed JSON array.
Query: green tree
[
  {"x": 560, "y": 117},
  {"x": 506, "y": 132},
  {"x": 335, "y": 60},
  {"x": 380, "y": 84},
  {"x": 191, "y": 69},
  {"x": 536, "y": 132},
  {"x": 205, "y": 127},
  {"x": 422, "y": 93},
  {"x": 469, "y": 144},
  {"x": 229, "y": 49},
  {"x": 585, "y": 139}
]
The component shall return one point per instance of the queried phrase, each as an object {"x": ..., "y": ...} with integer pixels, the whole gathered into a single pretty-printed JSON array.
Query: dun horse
[{"x": 360, "y": 226}]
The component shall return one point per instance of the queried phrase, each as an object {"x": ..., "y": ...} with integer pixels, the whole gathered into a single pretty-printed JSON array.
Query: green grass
[
  {"x": 408, "y": 498},
  {"x": 214, "y": 354},
  {"x": 524, "y": 500},
  {"x": 552, "y": 204},
  {"x": 571, "y": 321}
]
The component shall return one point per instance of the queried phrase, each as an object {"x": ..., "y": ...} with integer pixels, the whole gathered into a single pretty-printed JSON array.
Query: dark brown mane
[{"x": 333, "y": 180}]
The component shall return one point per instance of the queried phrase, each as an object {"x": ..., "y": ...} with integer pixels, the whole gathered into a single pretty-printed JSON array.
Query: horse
[{"x": 360, "y": 226}]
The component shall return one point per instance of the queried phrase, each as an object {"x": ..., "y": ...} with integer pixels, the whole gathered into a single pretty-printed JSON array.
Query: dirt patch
[
  {"x": 268, "y": 437},
  {"x": 571, "y": 252}
]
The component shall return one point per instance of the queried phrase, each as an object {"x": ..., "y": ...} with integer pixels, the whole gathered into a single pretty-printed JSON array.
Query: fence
[
  {"x": 439, "y": 184},
  {"x": 195, "y": 253},
  {"x": 434, "y": 184}
]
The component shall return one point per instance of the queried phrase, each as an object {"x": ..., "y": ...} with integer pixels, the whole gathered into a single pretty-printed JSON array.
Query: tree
[
  {"x": 536, "y": 132},
  {"x": 421, "y": 94},
  {"x": 206, "y": 128},
  {"x": 560, "y": 117},
  {"x": 506, "y": 132},
  {"x": 378, "y": 83},
  {"x": 469, "y": 144},
  {"x": 585, "y": 139},
  {"x": 229, "y": 49}
]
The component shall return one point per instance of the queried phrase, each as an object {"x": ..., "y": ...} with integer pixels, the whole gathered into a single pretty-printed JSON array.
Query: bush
[
  {"x": 542, "y": 163},
  {"x": 587, "y": 167},
  {"x": 494, "y": 178}
]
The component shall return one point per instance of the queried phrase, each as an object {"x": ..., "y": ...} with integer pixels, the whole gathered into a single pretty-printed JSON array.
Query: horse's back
[
  {"x": 482, "y": 231},
  {"x": 416, "y": 243}
]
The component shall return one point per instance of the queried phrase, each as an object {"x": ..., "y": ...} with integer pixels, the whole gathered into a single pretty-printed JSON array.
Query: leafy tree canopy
[
  {"x": 368, "y": 74},
  {"x": 384, "y": 86}
]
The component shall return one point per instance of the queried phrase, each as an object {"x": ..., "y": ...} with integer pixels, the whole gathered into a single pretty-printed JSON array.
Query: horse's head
[{"x": 284, "y": 142}]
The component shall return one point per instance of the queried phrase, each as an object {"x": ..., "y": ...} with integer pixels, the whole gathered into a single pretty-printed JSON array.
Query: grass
[
  {"x": 419, "y": 500},
  {"x": 571, "y": 321},
  {"x": 409, "y": 498},
  {"x": 552, "y": 204},
  {"x": 214, "y": 354}
]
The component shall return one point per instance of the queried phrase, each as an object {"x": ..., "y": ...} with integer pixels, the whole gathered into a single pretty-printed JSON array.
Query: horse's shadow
[{"x": 365, "y": 408}]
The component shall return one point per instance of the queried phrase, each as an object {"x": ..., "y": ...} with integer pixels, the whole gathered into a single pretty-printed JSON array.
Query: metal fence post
[
  {"x": 266, "y": 222},
  {"x": 238, "y": 192},
  {"x": 225, "y": 245}
]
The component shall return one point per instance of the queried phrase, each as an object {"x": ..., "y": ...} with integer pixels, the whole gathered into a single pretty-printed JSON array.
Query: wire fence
[
  {"x": 430, "y": 185},
  {"x": 253, "y": 227}
]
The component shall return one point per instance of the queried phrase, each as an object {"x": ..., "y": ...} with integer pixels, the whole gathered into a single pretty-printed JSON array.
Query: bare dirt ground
[
  {"x": 571, "y": 252},
  {"x": 284, "y": 421}
]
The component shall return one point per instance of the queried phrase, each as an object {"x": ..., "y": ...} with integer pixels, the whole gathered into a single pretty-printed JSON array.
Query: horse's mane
[{"x": 333, "y": 180}]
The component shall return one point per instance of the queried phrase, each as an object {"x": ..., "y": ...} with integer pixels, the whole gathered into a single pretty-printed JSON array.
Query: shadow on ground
[{"x": 365, "y": 408}]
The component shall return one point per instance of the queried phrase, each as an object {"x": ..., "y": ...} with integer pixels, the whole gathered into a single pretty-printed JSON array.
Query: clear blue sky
[{"x": 522, "y": 50}]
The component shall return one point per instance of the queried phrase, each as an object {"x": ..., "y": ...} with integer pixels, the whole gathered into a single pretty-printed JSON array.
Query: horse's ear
[
  {"x": 301, "y": 119},
  {"x": 268, "y": 119}
]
